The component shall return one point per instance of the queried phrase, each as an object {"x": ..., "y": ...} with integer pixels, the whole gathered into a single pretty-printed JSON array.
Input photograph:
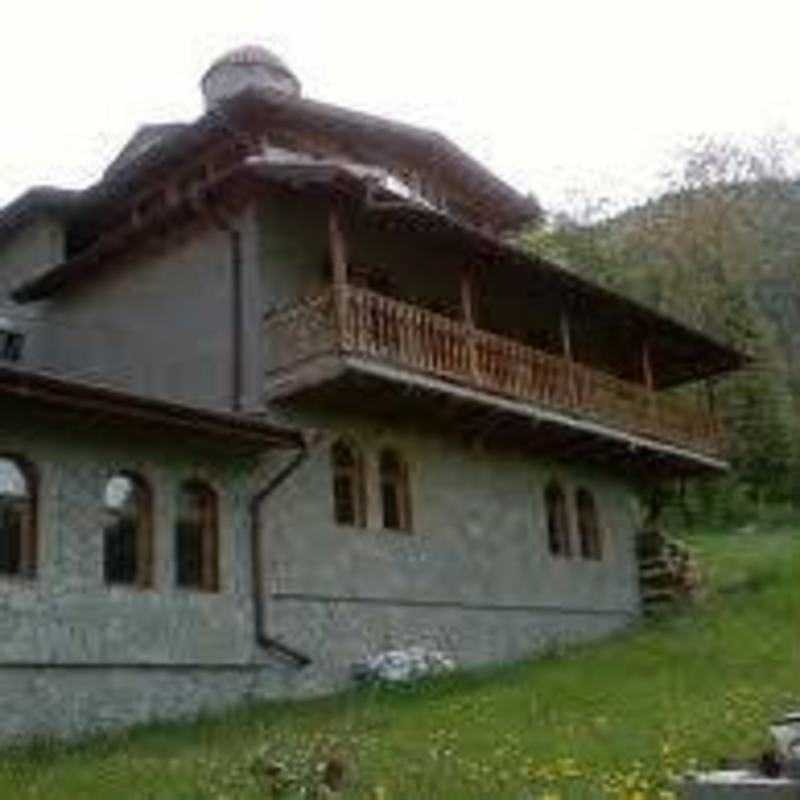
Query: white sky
[{"x": 553, "y": 96}]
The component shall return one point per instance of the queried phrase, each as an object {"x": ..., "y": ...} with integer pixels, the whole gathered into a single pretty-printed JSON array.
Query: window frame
[
  {"x": 29, "y": 537},
  {"x": 209, "y": 538},
  {"x": 144, "y": 541},
  {"x": 398, "y": 483},
  {"x": 590, "y": 536},
  {"x": 559, "y": 534},
  {"x": 355, "y": 476}
]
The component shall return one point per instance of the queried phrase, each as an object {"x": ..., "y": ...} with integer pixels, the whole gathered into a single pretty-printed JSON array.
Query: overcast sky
[{"x": 553, "y": 96}]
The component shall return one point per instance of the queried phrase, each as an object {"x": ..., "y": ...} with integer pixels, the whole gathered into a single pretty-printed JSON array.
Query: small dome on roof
[{"x": 251, "y": 66}]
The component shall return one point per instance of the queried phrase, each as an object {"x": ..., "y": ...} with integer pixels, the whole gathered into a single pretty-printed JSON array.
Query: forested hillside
[{"x": 719, "y": 249}]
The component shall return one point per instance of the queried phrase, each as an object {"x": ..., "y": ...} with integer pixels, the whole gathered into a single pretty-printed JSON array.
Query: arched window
[
  {"x": 17, "y": 518},
  {"x": 395, "y": 495},
  {"x": 128, "y": 531},
  {"x": 557, "y": 520},
  {"x": 348, "y": 485},
  {"x": 197, "y": 537},
  {"x": 588, "y": 525}
]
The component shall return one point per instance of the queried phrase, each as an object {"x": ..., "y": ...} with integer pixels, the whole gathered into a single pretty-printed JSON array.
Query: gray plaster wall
[
  {"x": 35, "y": 246},
  {"x": 294, "y": 255},
  {"x": 475, "y": 578},
  {"x": 159, "y": 323},
  {"x": 293, "y": 249}
]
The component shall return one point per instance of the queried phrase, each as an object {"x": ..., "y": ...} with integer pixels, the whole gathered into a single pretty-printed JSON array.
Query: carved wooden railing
[{"x": 360, "y": 322}]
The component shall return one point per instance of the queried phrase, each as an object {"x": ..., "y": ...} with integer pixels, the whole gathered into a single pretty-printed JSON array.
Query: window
[
  {"x": 395, "y": 494},
  {"x": 196, "y": 538},
  {"x": 348, "y": 485},
  {"x": 557, "y": 521},
  {"x": 11, "y": 344},
  {"x": 588, "y": 526},
  {"x": 128, "y": 537},
  {"x": 17, "y": 518}
]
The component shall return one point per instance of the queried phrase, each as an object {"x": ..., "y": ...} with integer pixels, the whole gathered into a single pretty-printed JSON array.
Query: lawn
[{"x": 611, "y": 720}]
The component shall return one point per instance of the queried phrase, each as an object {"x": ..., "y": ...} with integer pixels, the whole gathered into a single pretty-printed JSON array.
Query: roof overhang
[
  {"x": 89, "y": 404},
  {"x": 254, "y": 112},
  {"x": 684, "y": 353}
]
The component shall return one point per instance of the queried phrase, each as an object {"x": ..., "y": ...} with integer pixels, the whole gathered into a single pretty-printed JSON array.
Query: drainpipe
[
  {"x": 222, "y": 223},
  {"x": 264, "y": 641}
]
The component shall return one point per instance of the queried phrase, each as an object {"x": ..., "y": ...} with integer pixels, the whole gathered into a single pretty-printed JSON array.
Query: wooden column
[
  {"x": 566, "y": 342},
  {"x": 468, "y": 315},
  {"x": 647, "y": 369},
  {"x": 713, "y": 421},
  {"x": 337, "y": 246},
  {"x": 468, "y": 296},
  {"x": 647, "y": 374},
  {"x": 711, "y": 397}
]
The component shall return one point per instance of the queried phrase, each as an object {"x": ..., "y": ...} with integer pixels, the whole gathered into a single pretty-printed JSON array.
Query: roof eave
[
  {"x": 234, "y": 431},
  {"x": 720, "y": 357}
]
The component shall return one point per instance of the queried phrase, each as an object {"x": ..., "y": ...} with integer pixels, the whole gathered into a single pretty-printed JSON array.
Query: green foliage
[
  {"x": 709, "y": 252},
  {"x": 615, "y": 720}
]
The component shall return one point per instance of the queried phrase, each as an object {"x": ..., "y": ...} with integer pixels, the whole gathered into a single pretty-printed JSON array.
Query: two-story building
[{"x": 279, "y": 393}]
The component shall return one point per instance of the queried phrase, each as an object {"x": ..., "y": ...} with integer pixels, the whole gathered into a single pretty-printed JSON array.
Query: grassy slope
[{"x": 614, "y": 719}]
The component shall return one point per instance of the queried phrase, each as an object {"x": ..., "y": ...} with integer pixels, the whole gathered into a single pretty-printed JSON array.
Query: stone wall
[
  {"x": 74, "y": 701},
  {"x": 76, "y": 653},
  {"x": 475, "y": 578}
]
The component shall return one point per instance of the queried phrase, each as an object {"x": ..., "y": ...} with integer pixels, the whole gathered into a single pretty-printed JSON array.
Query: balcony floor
[{"x": 343, "y": 382}]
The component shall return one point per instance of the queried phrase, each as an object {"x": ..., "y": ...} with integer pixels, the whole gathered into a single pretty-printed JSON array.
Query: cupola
[{"x": 250, "y": 67}]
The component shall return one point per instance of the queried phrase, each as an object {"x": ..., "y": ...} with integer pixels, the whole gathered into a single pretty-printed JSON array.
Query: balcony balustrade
[{"x": 358, "y": 323}]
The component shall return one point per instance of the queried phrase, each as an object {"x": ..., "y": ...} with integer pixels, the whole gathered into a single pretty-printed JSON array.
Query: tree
[{"x": 702, "y": 252}]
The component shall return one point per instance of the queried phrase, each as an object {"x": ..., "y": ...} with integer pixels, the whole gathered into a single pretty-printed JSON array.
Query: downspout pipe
[
  {"x": 223, "y": 223},
  {"x": 264, "y": 641}
]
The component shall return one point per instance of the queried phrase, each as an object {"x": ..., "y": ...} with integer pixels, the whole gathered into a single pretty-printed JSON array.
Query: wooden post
[
  {"x": 711, "y": 397},
  {"x": 566, "y": 342},
  {"x": 711, "y": 400},
  {"x": 468, "y": 296},
  {"x": 338, "y": 253},
  {"x": 647, "y": 372},
  {"x": 468, "y": 315},
  {"x": 338, "y": 248},
  {"x": 647, "y": 369}
]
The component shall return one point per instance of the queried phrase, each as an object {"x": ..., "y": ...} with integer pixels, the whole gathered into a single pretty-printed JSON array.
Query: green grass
[{"x": 616, "y": 719}]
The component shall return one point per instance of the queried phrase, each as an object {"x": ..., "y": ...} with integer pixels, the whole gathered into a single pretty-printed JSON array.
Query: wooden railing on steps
[{"x": 360, "y": 322}]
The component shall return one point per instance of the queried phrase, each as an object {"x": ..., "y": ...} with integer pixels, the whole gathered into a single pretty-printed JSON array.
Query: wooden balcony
[{"x": 355, "y": 323}]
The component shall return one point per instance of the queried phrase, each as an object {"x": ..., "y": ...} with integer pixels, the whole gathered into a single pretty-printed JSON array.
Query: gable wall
[
  {"x": 475, "y": 579},
  {"x": 158, "y": 323},
  {"x": 36, "y": 246}
]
